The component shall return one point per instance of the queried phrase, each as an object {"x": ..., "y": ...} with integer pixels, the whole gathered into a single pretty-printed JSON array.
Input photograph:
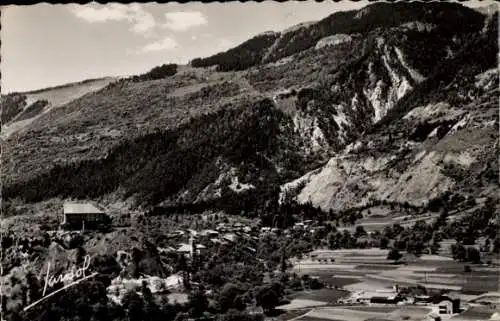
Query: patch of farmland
[
  {"x": 482, "y": 283},
  {"x": 320, "y": 266},
  {"x": 323, "y": 295},
  {"x": 309, "y": 318},
  {"x": 292, "y": 314},
  {"x": 379, "y": 309},
  {"x": 369, "y": 286},
  {"x": 334, "y": 279},
  {"x": 402, "y": 280},
  {"x": 430, "y": 257},
  {"x": 340, "y": 274},
  {"x": 475, "y": 313},
  {"x": 301, "y": 304},
  {"x": 458, "y": 268},
  {"x": 409, "y": 313},
  {"x": 376, "y": 267},
  {"x": 361, "y": 260},
  {"x": 342, "y": 282},
  {"x": 417, "y": 268},
  {"x": 343, "y": 314},
  {"x": 347, "y": 252}
]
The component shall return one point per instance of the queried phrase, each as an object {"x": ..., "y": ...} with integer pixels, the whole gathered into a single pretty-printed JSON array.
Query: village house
[
  {"x": 83, "y": 216},
  {"x": 231, "y": 237},
  {"x": 265, "y": 229},
  {"x": 209, "y": 233},
  {"x": 298, "y": 226},
  {"x": 448, "y": 304}
]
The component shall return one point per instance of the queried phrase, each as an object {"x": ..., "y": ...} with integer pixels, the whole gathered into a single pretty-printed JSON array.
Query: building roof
[
  {"x": 378, "y": 295},
  {"x": 81, "y": 208},
  {"x": 185, "y": 248},
  {"x": 230, "y": 237}
]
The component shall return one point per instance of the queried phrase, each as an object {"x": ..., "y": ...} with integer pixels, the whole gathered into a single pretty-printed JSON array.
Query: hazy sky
[{"x": 45, "y": 45}]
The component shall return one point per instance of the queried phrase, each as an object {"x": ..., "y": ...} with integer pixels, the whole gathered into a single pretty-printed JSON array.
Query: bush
[
  {"x": 315, "y": 284},
  {"x": 394, "y": 255},
  {"x": 158, "y": 72}
]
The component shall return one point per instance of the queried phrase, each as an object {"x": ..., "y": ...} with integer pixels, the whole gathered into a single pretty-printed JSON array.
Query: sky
[{"x": 45, "y": 45}]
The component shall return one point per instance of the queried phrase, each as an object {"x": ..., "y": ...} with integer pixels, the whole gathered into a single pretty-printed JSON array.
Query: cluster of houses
[
  {"x": 226, "y": 234},
  {"x": 81, "y": 216},
  {"x": 197, "y": 242}
]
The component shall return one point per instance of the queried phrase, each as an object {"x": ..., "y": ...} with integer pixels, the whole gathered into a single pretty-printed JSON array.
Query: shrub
[
  {"x": 315, "y": 284},
  {"x": 394, "y": 255}
]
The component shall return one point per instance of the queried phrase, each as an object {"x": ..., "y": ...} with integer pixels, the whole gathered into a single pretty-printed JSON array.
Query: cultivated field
[
  {"x": 369, "y": 269},
  {"x": 365, "y": 313}
]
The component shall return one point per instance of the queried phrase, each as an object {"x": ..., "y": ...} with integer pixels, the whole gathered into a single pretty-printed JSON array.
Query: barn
[{"x": 83, "y": 216}]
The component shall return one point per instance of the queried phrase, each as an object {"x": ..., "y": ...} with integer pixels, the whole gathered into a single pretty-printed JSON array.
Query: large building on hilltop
[{"x": 83, "y": 216}]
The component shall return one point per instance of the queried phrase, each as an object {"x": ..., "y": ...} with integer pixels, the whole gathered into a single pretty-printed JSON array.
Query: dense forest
[
  {"x": 451, "y": 19},
  {"x": 157, "y": 166},
  {"x": 11, "y": 105},
  {"x": 248, "y": 54},
  {"x": 158, "y": 72}
]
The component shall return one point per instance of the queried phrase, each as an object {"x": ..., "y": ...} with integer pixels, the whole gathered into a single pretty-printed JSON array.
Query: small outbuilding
[{"x": 83, "y": 216}]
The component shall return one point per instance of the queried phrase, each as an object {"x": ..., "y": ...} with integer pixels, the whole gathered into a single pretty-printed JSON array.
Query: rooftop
[
  {"x": 185, "y": 248},
  {"x": 80, "y": 208}
]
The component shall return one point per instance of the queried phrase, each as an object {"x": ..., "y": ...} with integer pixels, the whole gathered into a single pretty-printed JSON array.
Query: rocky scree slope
[{"x": 442, "y": 138}]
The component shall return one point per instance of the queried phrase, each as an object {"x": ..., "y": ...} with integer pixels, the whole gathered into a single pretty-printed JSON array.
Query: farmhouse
[
  {"x": 448, "y": 304},
  {"x": 82, "y": 216},
  {"x": 188, "y": 249},
  {"x": 380, "y": 296}
]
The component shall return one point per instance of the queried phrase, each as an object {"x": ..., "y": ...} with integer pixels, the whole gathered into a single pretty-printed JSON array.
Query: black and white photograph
[{"x": 250, "y": 161}]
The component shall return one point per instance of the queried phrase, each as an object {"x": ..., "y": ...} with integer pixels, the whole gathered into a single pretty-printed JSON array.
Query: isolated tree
[
  {"x": 227, "y": 296},
  {"x": 394, "y": 255},
  {"x": 496, "y": 244},
  {"x": 473, "y": 255},
  {"x": 283, "y": 264},
  {"x": 34, "y": 288},
  {"x": 198, "y": 303},
  {"x": 360, "y": 231},
  {"x": 459, "y": 252},
  {"x": 384, "y": 242},
  {"x": 134, "y": 306},
  {"x": 332, "y": 240},
  {"x": 353, "y": 217},
  {"x": 315, "y": 284},
  {"x": 331, "y": 215},
  {"x": 435, "y": 247},
  {"x": 267, "y": 298}
]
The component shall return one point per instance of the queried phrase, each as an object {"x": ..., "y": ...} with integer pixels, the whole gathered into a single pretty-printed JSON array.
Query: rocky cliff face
[{"x": 440, "y": 135}]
